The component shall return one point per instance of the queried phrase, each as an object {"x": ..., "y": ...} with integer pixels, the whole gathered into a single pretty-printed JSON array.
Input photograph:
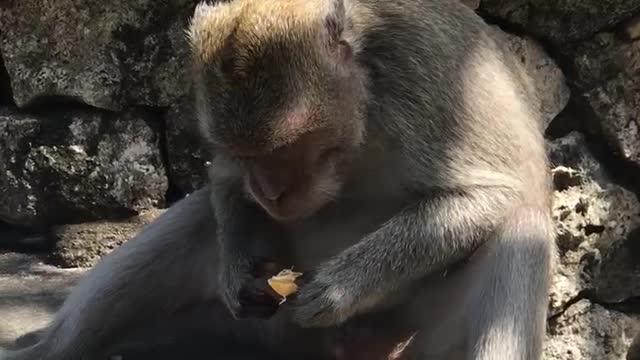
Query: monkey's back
[{"x": 451, "y": 98}]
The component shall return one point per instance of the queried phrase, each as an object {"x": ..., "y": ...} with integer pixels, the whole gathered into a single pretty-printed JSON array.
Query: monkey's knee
[{"x": 524, "y": 241}]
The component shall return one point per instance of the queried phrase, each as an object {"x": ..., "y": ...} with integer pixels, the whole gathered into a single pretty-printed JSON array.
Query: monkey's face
[
  {"x": 283, "y": 97},
  {"x": 295, "y": 180},
  {"x": 294, "y": 125}
]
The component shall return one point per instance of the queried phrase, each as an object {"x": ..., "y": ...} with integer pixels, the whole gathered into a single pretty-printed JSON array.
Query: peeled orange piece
[{"x": 284, "y": 283}]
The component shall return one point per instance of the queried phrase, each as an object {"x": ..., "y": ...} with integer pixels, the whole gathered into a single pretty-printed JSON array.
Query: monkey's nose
[
  {"x": 271, "y": 189},
  {"x": 273, "y": 193}
]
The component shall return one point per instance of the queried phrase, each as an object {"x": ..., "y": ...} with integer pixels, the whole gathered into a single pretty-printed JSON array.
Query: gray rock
[
  {"x": 186, "y": 154},
  {"x": 561, "y": 21},
  {"x": 594, "y": 219},
  {"x": 606, "y": 79},
  {"x": 104, "y": 53},
  {"x": 72, "y": 165},
  {"x": 30, "y": 293},
  {"x": 588, "y": 331},
  {"x": 83, "y": 245},
  {"x": 546, "y": 77}
]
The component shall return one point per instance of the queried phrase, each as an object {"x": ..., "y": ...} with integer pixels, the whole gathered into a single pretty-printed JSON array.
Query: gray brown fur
[{"x": 441, "y": 216}]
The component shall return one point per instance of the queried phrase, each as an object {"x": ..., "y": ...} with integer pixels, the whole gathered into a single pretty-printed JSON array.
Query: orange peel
[{"x": 284, "y": 283}]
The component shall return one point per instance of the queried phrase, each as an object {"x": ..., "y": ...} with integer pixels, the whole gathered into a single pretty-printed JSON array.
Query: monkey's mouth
[
  {"x": 299, "y": 200},
  {"x": 289, "y": 208}
]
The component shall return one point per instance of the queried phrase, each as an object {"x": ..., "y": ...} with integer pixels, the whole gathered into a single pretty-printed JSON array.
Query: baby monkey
[{"x": 386, "y": 149}]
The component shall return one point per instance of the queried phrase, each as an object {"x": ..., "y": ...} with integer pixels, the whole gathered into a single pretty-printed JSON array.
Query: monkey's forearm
[
  {"x": 232, "y": 212},
  {"x": 242, "y": 225},
  {"x": 432, "y": 234}
]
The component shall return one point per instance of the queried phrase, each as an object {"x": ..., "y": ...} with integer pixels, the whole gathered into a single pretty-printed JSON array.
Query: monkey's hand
[
  {"x": 327, "y": 297},
  {"x": 244, "y": 288}
]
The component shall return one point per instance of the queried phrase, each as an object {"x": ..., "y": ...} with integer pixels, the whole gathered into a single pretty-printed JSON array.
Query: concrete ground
[{"x": 30, "y": 293}]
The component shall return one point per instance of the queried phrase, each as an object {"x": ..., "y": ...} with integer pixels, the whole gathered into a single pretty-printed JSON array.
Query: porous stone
[
  {"x": 561, "y": 21},
  {"x": 83, "y": 245},
  {"x": 606, "y": 83},
  {"x": 595, "y": 217},
  {"x": 104, "y": 53},
  {"x": 70, "y": 165},
  {"x": 588, "y": 331}
]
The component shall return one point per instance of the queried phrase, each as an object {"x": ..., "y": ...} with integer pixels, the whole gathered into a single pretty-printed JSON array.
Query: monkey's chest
[
  {"x": 336, "y": 228},
  {"x": 312, "y": 247}
]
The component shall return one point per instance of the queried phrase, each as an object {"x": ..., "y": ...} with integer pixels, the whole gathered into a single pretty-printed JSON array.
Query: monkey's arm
[
  {"x": 432, "y": 234},
  {"x": 243, "y": 228},
  {"x": 247, "y": 239}
]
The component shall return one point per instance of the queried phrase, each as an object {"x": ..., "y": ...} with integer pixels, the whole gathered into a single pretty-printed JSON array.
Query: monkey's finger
[{"x": 259, "y": 291}]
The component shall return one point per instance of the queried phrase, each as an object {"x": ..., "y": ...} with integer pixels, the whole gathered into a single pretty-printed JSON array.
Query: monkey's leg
[
  {"x": 510, "y": 301},
  {"x": 170, "y": 263}
]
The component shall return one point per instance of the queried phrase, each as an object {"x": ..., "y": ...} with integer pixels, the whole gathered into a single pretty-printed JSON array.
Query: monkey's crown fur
[{"x": 252, "y": 23}]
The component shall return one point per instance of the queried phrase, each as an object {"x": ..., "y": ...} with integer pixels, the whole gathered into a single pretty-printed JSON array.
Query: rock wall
[{"x": 96, "y": 138}]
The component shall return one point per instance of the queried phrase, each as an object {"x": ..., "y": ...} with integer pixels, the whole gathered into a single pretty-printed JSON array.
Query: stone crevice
[
  {"x": 6, "y": 94},
  {"x": 629, "y": 305},
  {"x": 173, "y": 193}
]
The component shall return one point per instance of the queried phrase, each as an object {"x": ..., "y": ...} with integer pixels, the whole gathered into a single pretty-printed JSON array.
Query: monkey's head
[{"x": 278, "y": 89}]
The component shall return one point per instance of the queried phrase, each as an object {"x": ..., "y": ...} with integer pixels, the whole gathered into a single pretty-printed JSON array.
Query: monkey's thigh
[
  {"x": 205, "y": 330},
  {"x": 450, "y": 305},
  {"x": 438, "y": 312}
]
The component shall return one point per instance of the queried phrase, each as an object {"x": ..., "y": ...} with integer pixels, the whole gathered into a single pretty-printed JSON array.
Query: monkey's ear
[
  {"x": 335, "y": 27},
  {"x": 334, "y": 22}
]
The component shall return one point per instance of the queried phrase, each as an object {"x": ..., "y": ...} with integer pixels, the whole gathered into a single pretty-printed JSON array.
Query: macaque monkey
[{"x": 385, "y": 149}]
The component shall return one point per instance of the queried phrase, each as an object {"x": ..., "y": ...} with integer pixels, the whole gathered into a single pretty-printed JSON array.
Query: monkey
[{"x": 386, "y": 149}]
